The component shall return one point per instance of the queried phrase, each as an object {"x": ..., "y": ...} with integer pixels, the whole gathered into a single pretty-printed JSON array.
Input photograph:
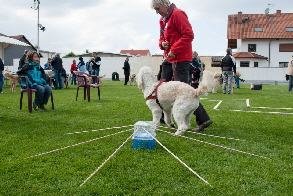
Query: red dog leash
[{"x": 154, "y": 95}]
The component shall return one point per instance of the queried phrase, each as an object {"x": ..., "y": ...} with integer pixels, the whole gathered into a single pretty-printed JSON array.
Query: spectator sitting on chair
[
  {"x": 48, "y": 65},
  {"x": 36, "y": 79}
]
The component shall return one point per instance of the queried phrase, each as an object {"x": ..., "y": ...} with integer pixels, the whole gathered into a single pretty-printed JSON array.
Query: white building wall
[
  {"x": 115, "y": 64},
  {"x": 267, "y": 48},
  {"x": 1, "y": 51},
  {"x": 109, "y": 64}
]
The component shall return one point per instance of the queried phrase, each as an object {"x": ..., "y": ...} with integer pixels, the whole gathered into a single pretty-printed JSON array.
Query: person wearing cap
[{"x": 228, "y": 66}]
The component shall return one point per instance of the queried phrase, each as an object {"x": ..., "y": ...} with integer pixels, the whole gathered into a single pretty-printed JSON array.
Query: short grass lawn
[{"x": 259, "y": 163}]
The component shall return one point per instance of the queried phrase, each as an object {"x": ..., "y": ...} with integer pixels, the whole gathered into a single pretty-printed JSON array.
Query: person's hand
[
  {"x": 171, "y": 54},
  {"x": 165, "y": 44}
]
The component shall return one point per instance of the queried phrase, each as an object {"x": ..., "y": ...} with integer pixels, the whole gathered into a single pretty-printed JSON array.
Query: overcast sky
[{"x": 114, "y": 25}]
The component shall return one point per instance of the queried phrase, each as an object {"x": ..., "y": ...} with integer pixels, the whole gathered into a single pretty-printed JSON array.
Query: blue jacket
[
  {"x": 81, "y": 66},
  {"x": 35, "y": 74}
]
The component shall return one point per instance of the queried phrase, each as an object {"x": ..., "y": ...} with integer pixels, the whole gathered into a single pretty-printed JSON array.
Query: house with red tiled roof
[
  {"x": 15, "y": 51},
  {"x": 261, "y": 40},
  {"x": 137, "y": 53}
]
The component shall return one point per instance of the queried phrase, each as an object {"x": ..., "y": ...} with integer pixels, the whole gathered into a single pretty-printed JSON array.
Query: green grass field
[{"x": 140, "y": 171}]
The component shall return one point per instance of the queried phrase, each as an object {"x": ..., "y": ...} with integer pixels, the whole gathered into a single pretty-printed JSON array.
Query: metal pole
[{"x": 38, "y": 27}]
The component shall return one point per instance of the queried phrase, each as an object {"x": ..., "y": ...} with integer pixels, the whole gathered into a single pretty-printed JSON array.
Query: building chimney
[
  {"x": 239, "y": 18},
  {"x": 278, "y": 11}
]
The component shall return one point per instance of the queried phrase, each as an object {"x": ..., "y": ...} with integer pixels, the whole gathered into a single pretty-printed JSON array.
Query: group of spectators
[{"x": 92, "y": 67}]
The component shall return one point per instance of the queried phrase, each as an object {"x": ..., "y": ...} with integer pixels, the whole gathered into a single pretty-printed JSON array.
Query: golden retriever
[{"x": 14, "y": 80}]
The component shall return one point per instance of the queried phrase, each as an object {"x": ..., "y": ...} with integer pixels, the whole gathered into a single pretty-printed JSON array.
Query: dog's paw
[
  {"x": 179, "y": 132},
  {"x": 172, "y": 126}
]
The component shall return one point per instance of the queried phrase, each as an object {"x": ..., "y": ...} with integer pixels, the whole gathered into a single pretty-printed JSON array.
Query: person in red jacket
[
  {"x": 176, "y": 36},
  {"x": 72, "y": 69}
]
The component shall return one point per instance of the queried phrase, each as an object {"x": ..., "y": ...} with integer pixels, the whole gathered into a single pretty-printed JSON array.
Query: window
[
  {"x": 251, "y": 47},
  {"x": 283, "y": 64},
  {"x": 257, "y": 29},
  {"x": 244, "y": 63},
  {"x": 255, "y": 64},
  {"x": 289, "y": 29},
  {"x": 286, "y": 48}
]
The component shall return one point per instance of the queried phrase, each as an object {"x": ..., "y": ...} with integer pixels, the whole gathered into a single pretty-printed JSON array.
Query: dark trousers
[
  {"x": 167, "y": 71},
  {"x": 290, "y": 83},
  {"x": 181, "y": 73},
  {"x": 127, "y": 74}
]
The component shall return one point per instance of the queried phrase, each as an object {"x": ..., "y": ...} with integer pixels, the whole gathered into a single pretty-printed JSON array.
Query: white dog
[{"x": 177, "y": 98}]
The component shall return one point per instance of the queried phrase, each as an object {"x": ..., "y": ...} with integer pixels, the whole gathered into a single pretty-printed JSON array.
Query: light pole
[
  {"x": 39, "y": 26},
  {"x": 38, "y": 49}
]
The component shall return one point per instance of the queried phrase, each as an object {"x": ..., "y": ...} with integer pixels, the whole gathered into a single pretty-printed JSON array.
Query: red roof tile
[
  {"x": 248, "y": 55},
  {"x": 241, "y": 26},
  {"x": 136, "y": 52}
]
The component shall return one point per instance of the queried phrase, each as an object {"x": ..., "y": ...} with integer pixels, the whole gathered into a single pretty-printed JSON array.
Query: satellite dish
[
  {"x": 267, "y": 11},
  {"x": 36, "y": 4}
]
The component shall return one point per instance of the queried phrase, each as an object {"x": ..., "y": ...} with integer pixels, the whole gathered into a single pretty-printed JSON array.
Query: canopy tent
[{"x": 8, "y": 40}]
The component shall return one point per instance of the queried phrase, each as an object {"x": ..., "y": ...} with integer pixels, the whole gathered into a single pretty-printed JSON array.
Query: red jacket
[
  {"x": 178, "y": 32},
  {"x": 73, "y": 67}
]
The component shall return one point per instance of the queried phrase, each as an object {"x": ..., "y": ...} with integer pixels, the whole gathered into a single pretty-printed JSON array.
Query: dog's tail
[
  {"x": 206, "y": 84},
  {"x": 102, "y": 76}
]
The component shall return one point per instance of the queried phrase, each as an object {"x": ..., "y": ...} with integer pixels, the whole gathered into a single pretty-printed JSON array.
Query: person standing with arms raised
[{"x": 176, "y": 36}]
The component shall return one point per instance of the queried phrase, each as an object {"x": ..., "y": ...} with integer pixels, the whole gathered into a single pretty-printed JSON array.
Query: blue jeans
[
  {"x": 1, "y": 81},
  {"x": 58, "y": 79},
  {"x": 43, "y": 93},
  {"x": 227, "y": 80},
  {"x": 73, "y": 78},
  {"x": 95, "y": 72}
]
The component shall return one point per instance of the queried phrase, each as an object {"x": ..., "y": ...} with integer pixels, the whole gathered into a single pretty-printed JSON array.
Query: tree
[{"x": 71, "y": 54}]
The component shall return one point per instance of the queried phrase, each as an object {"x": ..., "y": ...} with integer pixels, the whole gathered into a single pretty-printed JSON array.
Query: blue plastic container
[
  {"x": 144, "y": 130},
  {"x": 143, "y": 144}
]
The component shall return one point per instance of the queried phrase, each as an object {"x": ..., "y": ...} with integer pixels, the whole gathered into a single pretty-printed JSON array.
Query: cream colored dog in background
[
  {"x": 175, "y": 98},
  {"x": 131, "y": 79},
  {"x": 90, "y": 79},
  {"x": 14, "y": 80}
]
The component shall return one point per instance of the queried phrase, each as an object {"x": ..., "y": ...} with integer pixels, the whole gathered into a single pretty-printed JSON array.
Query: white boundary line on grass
[
  {"x": 100, "y": 129},
  {"x": 217, "y": 145},
  {"x": 248, "y": 105},
  {"x": 106, "y": 160},
  {"x": 216, "y": 136},
  {"x": 78, "y": 144},
  {"x": 185, "y": 165},
  {"x": 253, "y": 111}
]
